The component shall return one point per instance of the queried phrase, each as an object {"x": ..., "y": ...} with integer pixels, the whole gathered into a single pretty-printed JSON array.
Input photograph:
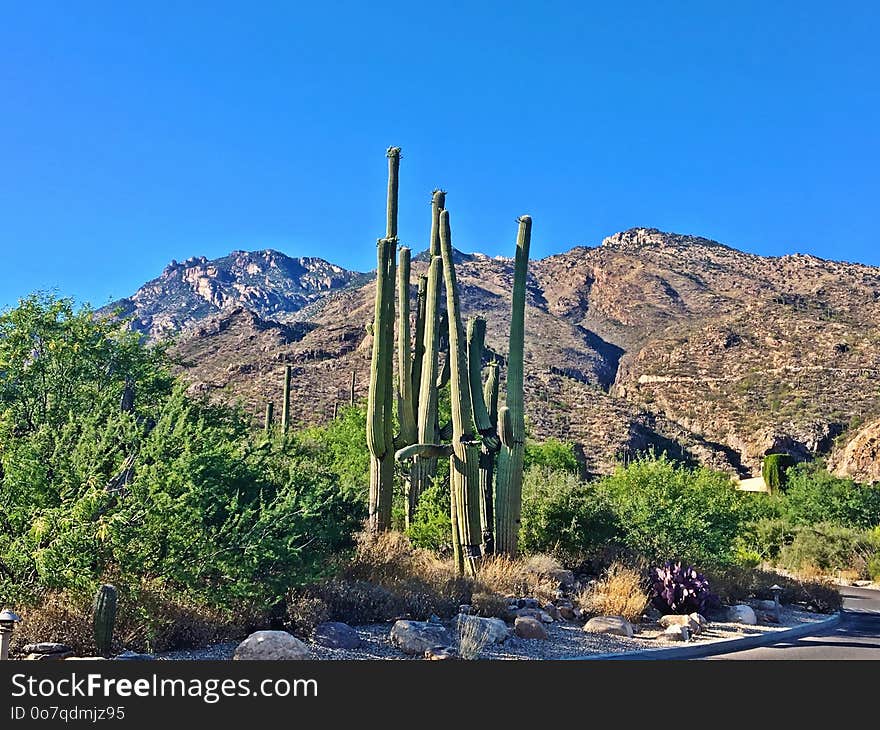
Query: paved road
[{"x": 857, "y": 637}]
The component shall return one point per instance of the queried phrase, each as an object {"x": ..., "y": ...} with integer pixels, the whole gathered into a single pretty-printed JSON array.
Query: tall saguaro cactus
[
  {"x": 285, "y": 406},
  {"x": 424, "y": 466},
  {"x": 380, "y": 398},
  {"x": 464, "y": 462},
  {"x": 476, "y": 336},
  {"x": 488, "y": 456},
  {"x": 508, "y": 500}
]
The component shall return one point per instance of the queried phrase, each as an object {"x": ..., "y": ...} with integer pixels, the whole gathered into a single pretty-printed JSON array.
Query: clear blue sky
[{"x": 133, "y": 133}]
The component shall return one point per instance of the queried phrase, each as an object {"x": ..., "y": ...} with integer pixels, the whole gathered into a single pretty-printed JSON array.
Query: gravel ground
[{"x": 565, "y": 640}]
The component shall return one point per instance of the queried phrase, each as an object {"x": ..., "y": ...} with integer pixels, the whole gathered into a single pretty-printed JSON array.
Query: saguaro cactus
[
  {"x": 103, "y": 618},
  {"x": 476, "y": 335},
  {"x": 464, "y": 463},
  {"x": 424, "y": 467},
  {"x": 270, "y": 414},
  {"x": 488, "y": 456},
  {"x": 380, "y": 399},
  {"x": 285, "y": 406},
  {"x": 508, "y": 500}
]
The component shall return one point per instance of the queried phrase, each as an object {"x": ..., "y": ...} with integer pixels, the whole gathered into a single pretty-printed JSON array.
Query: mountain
[
  {"x": 649, "y": 340},
  {"x": 268, "y": 283}
]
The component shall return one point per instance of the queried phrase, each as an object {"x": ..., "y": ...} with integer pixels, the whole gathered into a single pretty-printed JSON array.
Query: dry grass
[
  {"x": 149, "y": 619},
  {"x": 473, "y": 638},
  {"x": 387, "y": 578},
  {"x": 620, "y": 592},
  {"x": 537, "y": 576}
]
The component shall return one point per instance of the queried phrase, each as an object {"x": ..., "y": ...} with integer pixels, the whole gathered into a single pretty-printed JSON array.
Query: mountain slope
[{"x": 650, "y": 340}]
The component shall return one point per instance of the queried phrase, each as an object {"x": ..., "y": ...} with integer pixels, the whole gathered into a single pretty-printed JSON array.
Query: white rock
[
  {"x": 609, "y": 625},
  {"x": 742, "y": 614},
  {"x": 416, "y": 637},
  {"x": 269, "y": 646}
]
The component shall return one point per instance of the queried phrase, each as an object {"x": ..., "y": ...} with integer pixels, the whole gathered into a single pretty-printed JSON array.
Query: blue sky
[{"x": 136, "y": 133}]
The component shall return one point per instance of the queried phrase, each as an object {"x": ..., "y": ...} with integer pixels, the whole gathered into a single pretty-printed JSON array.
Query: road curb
[{"x": 695, "y": 651}]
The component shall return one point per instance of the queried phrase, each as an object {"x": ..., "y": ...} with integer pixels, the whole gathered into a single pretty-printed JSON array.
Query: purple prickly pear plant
[{"x": 681, "y": 590}]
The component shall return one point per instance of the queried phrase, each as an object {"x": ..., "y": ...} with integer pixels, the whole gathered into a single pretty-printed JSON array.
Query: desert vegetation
[{"x": 135, "y": 512}]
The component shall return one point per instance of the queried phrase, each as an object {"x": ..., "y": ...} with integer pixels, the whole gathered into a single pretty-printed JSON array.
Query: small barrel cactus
[{"x": 104, "y": 617}]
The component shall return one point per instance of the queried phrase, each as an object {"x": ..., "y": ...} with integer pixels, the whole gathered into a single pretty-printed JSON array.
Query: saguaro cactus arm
[{"x": 406, "y": 409}]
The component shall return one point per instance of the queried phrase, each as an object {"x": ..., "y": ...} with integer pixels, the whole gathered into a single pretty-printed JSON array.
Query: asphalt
[{"x": 856, "y": 637}]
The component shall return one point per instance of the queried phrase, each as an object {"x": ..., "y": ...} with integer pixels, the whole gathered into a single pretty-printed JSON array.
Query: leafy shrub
[
  {"x": 169, "y": 495},
  {"x": 551, "y": 454},
  {"x": 826, "y": 548},
  {"x": 669, "y": 511},
  {"x": 678, "y": 589},
  {"x": 565, "y": 517},
  {"x": 873, "y": 567},
  {"x": 620, "y": 592},
  {"x": 815, "y": 496},
  {"x": 431, "y": 526}
]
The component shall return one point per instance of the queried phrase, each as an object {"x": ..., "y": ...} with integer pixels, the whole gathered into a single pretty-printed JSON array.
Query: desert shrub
[
  {"x": 774, "y": 469},
  {"x": 551, "y": 454},
  {"x": 679, "y": 589},
  {"x": 873, "y": 567},
  {"x": 815, "y": 496},
  {"x": 827, "y": 548},
  {"x": 488, "y": 604},
  {"x": 473, "y": 638},
  {"x": 339, "y": 445},
  {"x": 621, "y": 591},
  {"x": 669, "y": 511},
  {"x": 431, "y": 526},
  {"x": 169, "y": 491},
  {"x": 734, "y": 584},
  {"x": 389, "y": 577},
  {"x": 505, "y": 576},
  {"x": 566, "y": 517}
]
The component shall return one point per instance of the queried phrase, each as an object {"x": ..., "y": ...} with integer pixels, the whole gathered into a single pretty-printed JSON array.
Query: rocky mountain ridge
[{"x": 649, "y": 340}]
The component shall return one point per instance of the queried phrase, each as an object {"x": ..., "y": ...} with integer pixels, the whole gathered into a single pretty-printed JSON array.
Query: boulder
[
  {"x": 494, "y": 630},
  {"x": 616, "y": 625},
  {"x": 676, "y": 632},
  {"x": 742, "y": 614},
  {"x": 527, "y": 627},
  {"x": 336, "y": 635},
  {"x": 54, "y": 656},
  {"x": 765, "y": 605},
  {"x": 416, "y": 637},
  {"x": 700, "y": 619},
  {"x": 552, "y": 611},
  {"x": 567, "y": 613},
  {"x": 269, "y": 646},
  {"x": 693, "y": 625}
]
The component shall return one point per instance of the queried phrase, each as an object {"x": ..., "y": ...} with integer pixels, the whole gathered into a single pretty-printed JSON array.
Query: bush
[
  {"x": 681, "y": 590},
  {"x": 666, "y": 511},
  {"x": 827, "y": 548},
  {"x": 774, "y": 470},
  {"x": 431, "y": 526},
  {"x": 536, "y": 576},
  {"x": 814, "y": 496},
  {"x": 620, "y": 592},
  {"x": 551, "y": 454},
  {"x": 734, "y": 584},
  {"x": 387, "y": 578},
  {"x": 164, "y": 495},
  {"x": 565, "y": 517}
]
